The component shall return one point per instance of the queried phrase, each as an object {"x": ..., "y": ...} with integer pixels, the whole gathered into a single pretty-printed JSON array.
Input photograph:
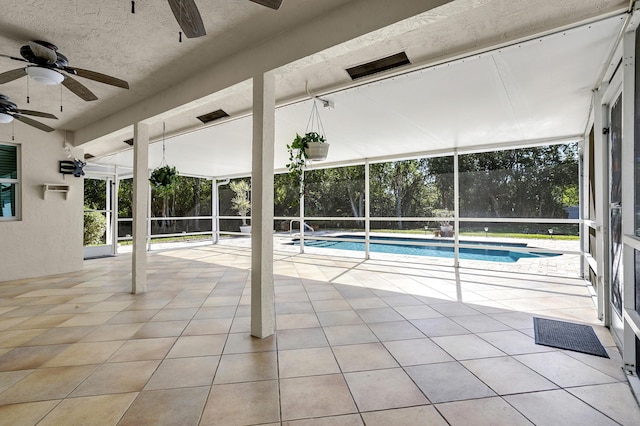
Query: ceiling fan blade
[
  {"x": 78, "y": 88},
  {"x": 99, "y": 77},
  {"x": 43, "y": 52},
  {"x": 33, "y": 123},
  {"x": 36, "y": 113},
  {"x": 188, "y": 17},
  {"x": 273, "y": 4},
  {"x": 13, "y": 57},
  {"x": 8, "y": 76}
]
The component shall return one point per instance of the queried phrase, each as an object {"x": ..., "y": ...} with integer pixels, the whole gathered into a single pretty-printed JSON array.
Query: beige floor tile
[
  {"x": 514, "y": 342},
  {"x": 242, "y": 404},
  {"x": 614, "y": 400},
  {"x": 289, "y": 321},
  {"x": 245, "y": 342},
  {"x": 377, "y": 315},
  {"x": 85, "y": 353},
  {"x": 14, "y": 338},
  {"x": 435, "y": 327},
  {"x": 189, "y": 346},
  {"x": 482, "y": 412},
  {"x": 611, "y": 366},
  {"x": 315, "y": 396},
  {"x": 346, "y": 420},
  {"x": 328, "y": 319},
  {"x": 241, "y": 325},
  {"x": 366, "y": 356},
  {"x": 143, "y": 349},
  {"x": 90, "y": 410},
  {"x": 349, "y": 335},
  {"x": 302, "y": 307},
  {"x": 42, "y": 321},
  {"x": 167, "y": 407},
  {"x": 560, "y": 407},
  {"x": 215, "y": 312},
  {"x": 417, "y": 351},
  {"x": 118, "y": 377},
  {"x": 480, "y": 323},
  {"x": 184, "y": 372},
  {"x": 424, "y": 415},
  {"x": 397, "y": 330},
  {"x": 61, "y": 335},
  {"x": 46, "y": 383},
  {"x": 9, "y": 378},
  {"x": 25, "y": 414},
  {"x": 383, "y": 389},
  {"x": 247, "y": 367},
  {"x": 505, "y": 375},
  {"x": 126, "y": 317},
  {"x": 94, "y": 318},
  {"x": 208, "y": 326},
  {"x": 564, "y": 370},
  {"x": 306, "y": 362},
  {"x": 331, "y": 305},
  {"x": 448, "y": 381},
  {"x": 367, "y": 303},
  {"x": 301, "y": 338},
  {"x": 112, "y": 332},
  {"x": 414, "y": 312},
  {"x": 467, "y": 346},
  {"x": 29, "y": 357},
  {"x": 109, "y": 307},
  {"x": 175, "y": 314},
  {"x": 161, "y": 329}
]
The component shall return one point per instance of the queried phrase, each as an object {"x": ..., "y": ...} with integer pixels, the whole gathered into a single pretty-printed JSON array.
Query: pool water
[{"x": 486, "y": 251}]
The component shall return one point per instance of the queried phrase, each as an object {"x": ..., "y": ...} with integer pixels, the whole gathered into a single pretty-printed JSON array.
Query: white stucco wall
[{"x": 48, "y": 238}]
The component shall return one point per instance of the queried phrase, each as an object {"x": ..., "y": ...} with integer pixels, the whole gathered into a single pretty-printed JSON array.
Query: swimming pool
[{"x": 444, "y": 248}]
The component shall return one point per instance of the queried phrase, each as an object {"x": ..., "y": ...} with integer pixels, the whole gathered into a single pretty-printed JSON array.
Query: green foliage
[
  {"x": 164, "y": 176},
  {"x": 298, "y": 155},
  {"x": 95, "y": 226},
  {"x": 241, "y": 202}
]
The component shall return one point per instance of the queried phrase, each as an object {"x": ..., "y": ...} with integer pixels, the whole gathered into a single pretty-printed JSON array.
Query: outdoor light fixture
[
  {"x": 551, "y": 232},
  {"x": 486, "y": 229},
  {"x": 5, "y": 118},
  {"x": 45, "y": 75}
]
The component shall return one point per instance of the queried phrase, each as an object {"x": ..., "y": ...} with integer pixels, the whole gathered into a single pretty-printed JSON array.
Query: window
[{"x": 9, "y": 183}]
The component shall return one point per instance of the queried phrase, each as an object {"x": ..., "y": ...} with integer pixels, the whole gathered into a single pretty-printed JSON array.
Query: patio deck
[{"x": 358, "y": 342}]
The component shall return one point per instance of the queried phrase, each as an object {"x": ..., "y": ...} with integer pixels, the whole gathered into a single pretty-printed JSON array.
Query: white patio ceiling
[{"x": 531, "y": 91}]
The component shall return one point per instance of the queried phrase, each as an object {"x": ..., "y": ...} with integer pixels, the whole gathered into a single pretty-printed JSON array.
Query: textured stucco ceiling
[{"x": 143, "y": 49}]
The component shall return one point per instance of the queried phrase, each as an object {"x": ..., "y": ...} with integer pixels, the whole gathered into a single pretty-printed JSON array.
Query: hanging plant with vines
[{"x": 163, "y": 176}]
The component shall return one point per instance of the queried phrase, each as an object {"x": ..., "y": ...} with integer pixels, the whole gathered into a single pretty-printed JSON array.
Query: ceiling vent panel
[
  {"x": 213, "y": 116},
  {"x": 380, "y": 65}
]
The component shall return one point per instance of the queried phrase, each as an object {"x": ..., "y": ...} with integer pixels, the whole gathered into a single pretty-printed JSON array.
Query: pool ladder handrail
[{"x": 306, "y": 226}]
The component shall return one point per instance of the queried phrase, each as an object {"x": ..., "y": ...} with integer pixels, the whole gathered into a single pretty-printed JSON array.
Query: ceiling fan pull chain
[
  {"x": 27, "y": 90},
  {"x": 133, "y": 6},
  {"x": 13, "y": 130},
  {"x": 179, "y": 36},
  {"x": 60, "y": 98}
]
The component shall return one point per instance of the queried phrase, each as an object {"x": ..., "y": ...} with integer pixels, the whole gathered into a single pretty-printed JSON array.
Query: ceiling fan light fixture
[
  {"x": 45, "y": 75},
  {"x": 5, "y": 118}
]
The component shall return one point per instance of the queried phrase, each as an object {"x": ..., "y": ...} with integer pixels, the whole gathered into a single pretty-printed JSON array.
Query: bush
[{"x": 95, "y": 226}]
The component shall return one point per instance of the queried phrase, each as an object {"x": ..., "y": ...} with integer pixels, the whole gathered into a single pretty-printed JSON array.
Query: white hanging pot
[{"x": 316, "y": 151}]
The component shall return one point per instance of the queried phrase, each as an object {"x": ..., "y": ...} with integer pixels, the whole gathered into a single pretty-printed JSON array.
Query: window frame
[{"x": 16, "y": 182}]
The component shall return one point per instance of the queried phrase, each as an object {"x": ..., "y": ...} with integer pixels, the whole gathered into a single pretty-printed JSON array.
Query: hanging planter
[
  {"x": 312, "y": 146},
  {"x": 163, "y": 176}
]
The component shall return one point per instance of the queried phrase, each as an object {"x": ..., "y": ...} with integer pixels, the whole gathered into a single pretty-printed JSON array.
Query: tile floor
[{"x": 375, "y": 343}]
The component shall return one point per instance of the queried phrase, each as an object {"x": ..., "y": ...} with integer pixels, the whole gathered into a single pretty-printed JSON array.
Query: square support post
[
  {"x": 140, "y": 203},
  {"x": 262, "y": 285}
]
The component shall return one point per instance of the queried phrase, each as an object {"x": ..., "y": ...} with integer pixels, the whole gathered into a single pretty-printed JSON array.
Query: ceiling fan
[
  {"x": 190, "y": 21},
  {"x": 46, "y": 64},
  {"x": 9, "y": 111}
]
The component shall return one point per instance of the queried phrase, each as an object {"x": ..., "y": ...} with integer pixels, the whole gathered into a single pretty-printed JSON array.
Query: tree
[{"x": 241, "y": 202}]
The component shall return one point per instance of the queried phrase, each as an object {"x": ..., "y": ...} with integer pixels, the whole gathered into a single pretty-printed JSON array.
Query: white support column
[
  {"x": 367, "y": 210},
  {"x": 215, "y": 208},
  {"x": 301, "y": 198},
  {"x": 456, "y": 211},
  {"x": 114, "y": 217},
  {"x": 628, "y": 197},
  {"x": 140, "y": 203},
  {"x": 262, "y": 286}
]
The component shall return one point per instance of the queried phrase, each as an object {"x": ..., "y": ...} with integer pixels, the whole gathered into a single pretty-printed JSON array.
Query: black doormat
[{"x": 566, "y": 335}]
